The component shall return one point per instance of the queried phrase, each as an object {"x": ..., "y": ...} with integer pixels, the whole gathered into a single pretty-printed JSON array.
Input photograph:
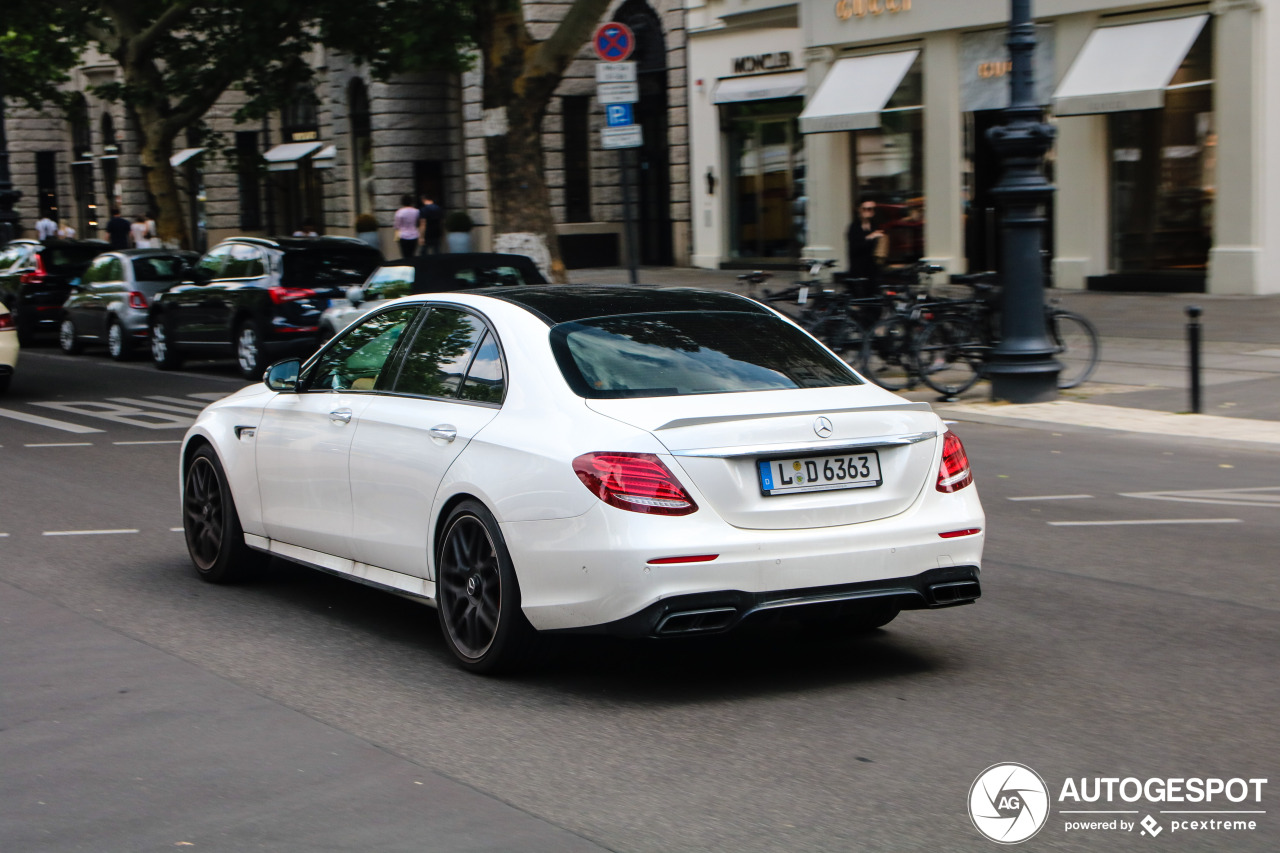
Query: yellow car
[{"x": 8, "y": 347}]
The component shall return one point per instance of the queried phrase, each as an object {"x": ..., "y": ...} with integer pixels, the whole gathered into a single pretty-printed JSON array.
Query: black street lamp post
[
  {"x": 8, "y": 195},
  {"x": 1022, "y": 367}
]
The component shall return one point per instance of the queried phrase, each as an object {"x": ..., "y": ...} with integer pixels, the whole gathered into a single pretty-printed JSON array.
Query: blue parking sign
[{"x": 618, "y": 115}]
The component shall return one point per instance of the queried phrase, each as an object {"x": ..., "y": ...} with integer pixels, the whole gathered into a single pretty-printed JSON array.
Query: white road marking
[
  {"x": 1262, "y": 496},
  {"x": 180, "y": 401},
  {"x": 63, "y": 444},
  {"x": 166, "y": 441},
  {"x": 87, "y": 532},
  {"x": 47, "y": 422},
  {"x": 130, "y": 415},
  {"x": 175, "y": 529},
  {"x": 4, "y": 535},
  {"x": 208, "y": 395},
  {"x": 1143, "y": 521},
  {"x": 1054, "y": 498},
  {"x": 147, "y": 405}
]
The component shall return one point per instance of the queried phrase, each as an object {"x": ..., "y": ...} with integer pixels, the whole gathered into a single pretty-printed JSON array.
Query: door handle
[
  {"x": 445, "y": 432},
  {"x": 340, "y": 416}
]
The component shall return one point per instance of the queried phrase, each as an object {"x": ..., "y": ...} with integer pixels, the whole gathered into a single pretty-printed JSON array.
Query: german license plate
[{"x": 860, "y": 470}]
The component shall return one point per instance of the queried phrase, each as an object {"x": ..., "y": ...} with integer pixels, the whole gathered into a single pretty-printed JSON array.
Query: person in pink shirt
[{"x": 406, "y": 226}]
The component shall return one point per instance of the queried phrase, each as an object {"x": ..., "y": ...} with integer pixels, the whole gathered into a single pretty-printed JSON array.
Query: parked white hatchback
[
  {"x": 640, "y": 462},
  {"x": 8, "y": 348}
]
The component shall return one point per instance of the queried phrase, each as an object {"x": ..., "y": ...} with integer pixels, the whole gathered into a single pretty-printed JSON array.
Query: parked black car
[
  {"x": 36, "y": 278},
  {"x": 112, "y": 302},
  {"x": 258, "y": 299}
]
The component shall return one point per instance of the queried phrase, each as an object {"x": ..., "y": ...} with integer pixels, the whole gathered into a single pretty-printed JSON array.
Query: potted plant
[
  {"x": 458, "y": 226},
  {"x": 367, "y": 229}
]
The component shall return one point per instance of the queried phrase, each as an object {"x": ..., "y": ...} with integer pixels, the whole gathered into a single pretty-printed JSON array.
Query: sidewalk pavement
[{"x": 1141, "y": 384}]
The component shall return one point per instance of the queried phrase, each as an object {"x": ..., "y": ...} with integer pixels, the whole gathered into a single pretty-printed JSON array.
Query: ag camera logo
[{"x": 1008, "y": 803}]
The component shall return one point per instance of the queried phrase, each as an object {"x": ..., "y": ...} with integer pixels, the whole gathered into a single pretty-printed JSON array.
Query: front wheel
[
  {"x": 1075, "y": 345},
  {"x": 249, "y": 350},
  {"x": 477, "y": 595},
  {"x": 211, "y": 525},
  {"x": 164, "y": 352},
  {"x": 67, "y": 339}
]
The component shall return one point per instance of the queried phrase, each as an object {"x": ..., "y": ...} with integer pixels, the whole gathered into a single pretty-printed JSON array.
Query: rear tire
[
  {"x": 119, "y": 346},
  {"x": 211, "y": 524},
  {"x": 249, "y": 350},
  {"x": 67, "y": 339},
  {"x": 478, "y": 596},
  {"x": 164, "y": 352}
]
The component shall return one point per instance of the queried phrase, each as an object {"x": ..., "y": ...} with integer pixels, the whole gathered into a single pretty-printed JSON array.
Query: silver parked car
[{"x": 110, "y": 303}]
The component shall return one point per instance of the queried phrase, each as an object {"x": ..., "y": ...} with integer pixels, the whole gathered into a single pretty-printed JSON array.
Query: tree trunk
[{"x": 171, "y": 225}]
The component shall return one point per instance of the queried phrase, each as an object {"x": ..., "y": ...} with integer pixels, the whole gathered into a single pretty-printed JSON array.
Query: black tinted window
[
  {"x": 667, "y": 355},
  {"x": 66, "y": 259},
  {"x": 355, "y": 361},
  {"x": 329, "y": 266},
  {"x": 437, "y": 359},
  {"x": 159, "y": 269}
]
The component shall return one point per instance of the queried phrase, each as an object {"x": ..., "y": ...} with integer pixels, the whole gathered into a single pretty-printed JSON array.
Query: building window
[
  {"x": 575, "y": 112},
  {"x": 82, "y": 167},
  {"x": 110, "y": 159},
  {"x": 1163, "y": 163},
  {"x": 248, "y": 162},
  {"x": 766, "y": 179},
  {"x": 361, "y": 147},
  {"x": 299, "y": 119},
  {"x": 47, "y": 183}
]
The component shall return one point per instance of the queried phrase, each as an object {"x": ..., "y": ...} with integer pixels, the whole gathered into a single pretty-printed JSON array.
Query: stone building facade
[{"x": 353, "y": 145}]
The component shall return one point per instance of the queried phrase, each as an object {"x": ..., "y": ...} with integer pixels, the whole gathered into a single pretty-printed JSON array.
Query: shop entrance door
[{"x": 766, "y": 176}]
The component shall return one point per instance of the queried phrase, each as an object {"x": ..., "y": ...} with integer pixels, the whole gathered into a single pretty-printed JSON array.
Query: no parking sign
[{"x": 613, "y": 42}]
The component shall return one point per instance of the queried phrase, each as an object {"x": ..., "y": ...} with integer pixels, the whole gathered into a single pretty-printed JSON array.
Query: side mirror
[
  {"x": 355, "y": 295},
  {"x": 283, "y": 375}
]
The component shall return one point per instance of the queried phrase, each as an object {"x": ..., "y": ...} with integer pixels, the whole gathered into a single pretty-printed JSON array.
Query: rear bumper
[{"x": 717, "y": 612}]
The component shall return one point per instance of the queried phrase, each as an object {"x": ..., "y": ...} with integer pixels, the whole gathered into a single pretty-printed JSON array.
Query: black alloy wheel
[
  {"x": 477, "y": 596},
  {"x": 211, "y": 525}
]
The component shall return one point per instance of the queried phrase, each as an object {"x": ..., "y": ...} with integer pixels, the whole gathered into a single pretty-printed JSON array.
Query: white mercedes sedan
[{"x": 639, "y": 462}]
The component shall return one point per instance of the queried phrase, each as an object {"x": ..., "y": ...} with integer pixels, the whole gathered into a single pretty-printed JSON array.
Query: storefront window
[
  {"x": 888, "y": 169},
  {"x": 766, "y": 180},
  {"x": 1162, "y": 173}
]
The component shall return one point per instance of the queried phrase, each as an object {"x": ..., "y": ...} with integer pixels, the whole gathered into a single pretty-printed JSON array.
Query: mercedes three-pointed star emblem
[{"x": 822, "y": 426}]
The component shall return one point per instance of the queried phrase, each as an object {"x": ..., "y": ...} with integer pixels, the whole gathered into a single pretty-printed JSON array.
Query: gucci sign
[{"x": 846, "y": 9}]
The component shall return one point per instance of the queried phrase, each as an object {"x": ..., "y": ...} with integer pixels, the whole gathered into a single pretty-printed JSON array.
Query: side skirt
[{"x": 408, "y": 586}]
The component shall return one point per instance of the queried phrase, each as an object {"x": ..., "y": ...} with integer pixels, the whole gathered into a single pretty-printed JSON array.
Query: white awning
[
  {"x": 325, "y": 157},
  {"x": 1126, "y": 68},
  {"x": 285, "y": 157},
  {"x": 854, "y": 92},
  {"x": 183, "y": 156},
  {"x": 758, "y": 87}
]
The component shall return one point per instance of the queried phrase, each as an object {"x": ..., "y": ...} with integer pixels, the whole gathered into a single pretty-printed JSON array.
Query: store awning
[
  {"x": 325, "y": 157},
  {"x": 183, "y": 156},
  {"x": 854, "y": 92},
  {"x": 758, "y": 87},
  {"x": 1126, "y": 68},
  {"x": 285, "y": 157}
]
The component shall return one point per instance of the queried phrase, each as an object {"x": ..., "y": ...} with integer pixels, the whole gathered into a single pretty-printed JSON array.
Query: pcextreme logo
[{"x": 1009, "y": 803}]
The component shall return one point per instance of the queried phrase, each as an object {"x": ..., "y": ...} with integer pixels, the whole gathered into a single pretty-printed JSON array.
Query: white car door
[
  {"x": 305, "y": 438},
  {"x": 449, "y": 385}
]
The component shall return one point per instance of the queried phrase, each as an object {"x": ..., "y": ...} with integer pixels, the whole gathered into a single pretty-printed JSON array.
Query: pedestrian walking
[
  {"x": 306, "y": 229},
  {"x": 140, "y": 232},
  {"x": 118, "y": 230},
  {"x": 65, "y": 231},
  {"x": 406, "y": 226},
  {"x": 46, "y": 228},
  {"x": 431, "y": 225},
  {"x": 866, "y": 243}
]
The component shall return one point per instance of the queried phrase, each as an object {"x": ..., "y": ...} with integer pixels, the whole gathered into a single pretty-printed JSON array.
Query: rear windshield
[
  {"x": 69, "y": 259},
  {"x": 160, "y": 269},
  {"x": 328, "y": 267},
  {"x": 674, "y": 354}
]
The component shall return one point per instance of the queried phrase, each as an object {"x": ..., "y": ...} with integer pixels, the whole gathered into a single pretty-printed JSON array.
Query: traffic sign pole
[{"x": 617, "y": 89}]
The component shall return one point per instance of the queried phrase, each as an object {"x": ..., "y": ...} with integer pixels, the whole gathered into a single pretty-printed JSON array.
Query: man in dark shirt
[
  {"x": 118, "y": 230},
  {"x": 431, "y": 223}
]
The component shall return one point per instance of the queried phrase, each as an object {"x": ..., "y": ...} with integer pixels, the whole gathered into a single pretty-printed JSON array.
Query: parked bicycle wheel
[
  {"x": 1075, "y": 345},
  {"x": 886, "y": 354},
  {"x": 949, "y": 355}
]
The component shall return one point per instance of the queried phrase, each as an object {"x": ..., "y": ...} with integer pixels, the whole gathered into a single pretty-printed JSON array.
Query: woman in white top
[
  {"x": 406, "y": 225},
  {"x": 65, "y": 231},
  {"x": 140, "y": 232}
]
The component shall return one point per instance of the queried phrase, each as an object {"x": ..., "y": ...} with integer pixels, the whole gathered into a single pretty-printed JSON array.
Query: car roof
[
  {"x": 153, "y": 253},
  {"x": 294, "y": 244},
  {"x": 439, "y": 273},
  {"x": 567, "y": 303}
]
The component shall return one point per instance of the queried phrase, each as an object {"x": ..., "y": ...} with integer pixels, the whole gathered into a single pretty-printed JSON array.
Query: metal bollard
[{"x": 1193, "y": 351}]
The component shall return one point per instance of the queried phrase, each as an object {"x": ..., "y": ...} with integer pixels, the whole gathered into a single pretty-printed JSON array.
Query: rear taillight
[
  {"x": 638, "y": 482},
  {"x": 6, "y": 320},
  {"x": 137, "y": 299},
  {"x": 36, "y": 276},
  {"x": 954, "y": 473},
  {"x": 280, "y": 295}
]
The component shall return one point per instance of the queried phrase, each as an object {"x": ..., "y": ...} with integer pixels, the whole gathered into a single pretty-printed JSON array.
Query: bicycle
[
  {"x": 824, "y": 311},
  {"x": 888, "y": 323},
  {"x": 952, "y": 348}
]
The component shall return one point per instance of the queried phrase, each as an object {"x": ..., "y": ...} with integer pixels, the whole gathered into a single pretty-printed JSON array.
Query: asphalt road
[{"x": 142, "y": 709}]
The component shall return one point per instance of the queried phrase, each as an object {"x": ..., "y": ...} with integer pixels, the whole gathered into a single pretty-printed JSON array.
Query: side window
[
  {"x": 354, "y": 361},
  {"x": 114, "y": 270},
  {"x": 485, "y": 382},
  {"x": 9, "y": 258},
  {"x": 210, "y": 265},
  {"x": 245, "y": 262},
  {"x": 97, "y": 271},
  {"x": 437, "y": 359}
]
